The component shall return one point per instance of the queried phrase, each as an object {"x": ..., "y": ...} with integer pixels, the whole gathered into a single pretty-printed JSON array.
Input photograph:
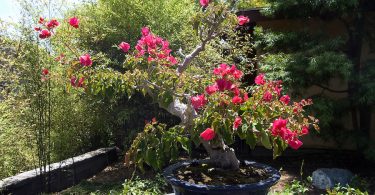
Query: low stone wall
[{"x": 62, "y": 175}]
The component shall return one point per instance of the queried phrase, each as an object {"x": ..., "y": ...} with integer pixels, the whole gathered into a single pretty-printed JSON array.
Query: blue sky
[{"x": 9, "y": 10}]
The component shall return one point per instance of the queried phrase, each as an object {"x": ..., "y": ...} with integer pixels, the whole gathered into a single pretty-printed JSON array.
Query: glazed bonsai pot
[{"x": 181, "y": 187}]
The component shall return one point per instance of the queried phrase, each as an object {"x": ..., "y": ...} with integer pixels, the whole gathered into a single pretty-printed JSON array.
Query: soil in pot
[{"x": 206, "y": 174}]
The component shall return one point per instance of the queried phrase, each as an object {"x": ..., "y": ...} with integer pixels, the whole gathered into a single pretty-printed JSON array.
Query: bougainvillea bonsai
[{"x": 213, "y": 104}]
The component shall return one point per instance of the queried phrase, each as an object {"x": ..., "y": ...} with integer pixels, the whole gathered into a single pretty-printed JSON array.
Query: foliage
[
  {"x": 133, "y": 186},
  {"x": 70, "y": 124},
  {"x": 301, "y": 65},
  {"x": 296, "y": 187},
  {"x": 144, "y": 186},
  {"x": 307, "y": 58},
  {"x": 357, "y": 186},
  {"x": 94, "y": 188},
  {"x": 151, "y": 69},
  {"x": 346, "y": 190},
  {"x": 246, "y": 4},
  {"x": 108, "y": 22},
  {"x": 16, "y": 153},
  {"x": 228, "y": 109},
  {"x": 306, "y": 8},
  {"x": 156, "y": 146}
]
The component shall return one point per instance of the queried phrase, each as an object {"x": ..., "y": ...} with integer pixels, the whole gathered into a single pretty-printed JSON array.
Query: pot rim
[{"x": 274, "y": 176}]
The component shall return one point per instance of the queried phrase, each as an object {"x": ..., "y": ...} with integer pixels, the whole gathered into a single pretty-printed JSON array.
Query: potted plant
[
  {"x": 213, "y": 104},
  {"x": 214, "y": 109}
]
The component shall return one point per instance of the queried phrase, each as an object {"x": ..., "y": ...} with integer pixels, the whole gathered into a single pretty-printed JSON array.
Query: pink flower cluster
[
  {"x": 45, "y": 31},
  {"x": 75, "y": 82},
  {"x": 274, "y": 89},
  {"x": 153, "y": 47},
  {"x": 222, "y": 84},
  {"x": 85, "y": 61},
  {"x": 226, "y": 87},
  {"x": 198, "y": 101},
  {"x": 46, "y": 28},
  {"x": 204, "y": 3},
  {"x": 74, "y": 22},
  {"x": 279, "y": 128},
  {"x": 298, "y": 106},
  {"x": 242, "y": 20}
]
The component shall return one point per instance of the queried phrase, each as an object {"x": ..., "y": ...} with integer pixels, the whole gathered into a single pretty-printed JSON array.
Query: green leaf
[
  {"x": 277, "y": 149},
  {"x": 251, "y": 140},
  {"x": 166, "y": 98},
  {"x": 185, "y": 144},
  {"x": 242, "y": 133},
  {"x": 265, "y": 140},
  {"x": 150, "y": 158}
]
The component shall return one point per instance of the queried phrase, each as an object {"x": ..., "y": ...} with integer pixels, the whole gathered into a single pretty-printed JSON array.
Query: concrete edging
[{"x": 62, "y": 174}]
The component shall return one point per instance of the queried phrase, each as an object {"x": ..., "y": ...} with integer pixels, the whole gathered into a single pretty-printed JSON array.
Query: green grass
[{"x": 88, "y": 187}]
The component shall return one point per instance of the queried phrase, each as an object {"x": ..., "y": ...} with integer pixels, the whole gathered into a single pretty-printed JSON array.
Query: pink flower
[
  {"x": 44, "y": 34},
  {"x": 237, "y": 74},
  {"x": 295, "y": 143},
  {"x": 124, "y": 46},
  {"x": 259, "y": 80},
  {"x": 165, "y": 45},
  {"x": 52, "y": 24},
  {"x": 37, "y": 29},
  {"x": 236, "y": 91},
  {"x": 204, "y": 3},
  {"x": 277, "y": 89},
  {"x": 278, "y": 124},
  {"x": 237, "y": 122},
  {"x": 236, "y": 100},
  {"x": 285, "y": 99},
  {"x": 305, "y": 130},
  {"x": 139, "y": 47},
  {"x": 41, "y": 20},
  {"x": 223, "y": 84},
  {"x": 74, "y": 22},
  {"x": 208, "y": 134},
  {"x": 222, "y": 70},
  {"x": 45, "y": 71},
  {"x": 80, "y": 82},
  {"x": 211, "y": 89},
  {"x": 267, "y": 97},
  {"x": 286, "y": 134},
  {"x": 85, "y": 60},
  {"x": 245, "y": 97},
  {"x": 243, "y": 20},
  {"x": 145, "y": 31},
  {"x": 73, "y": 80},
  {"x": 172, "y": 60},
  {"x": 198, "y": 101}
]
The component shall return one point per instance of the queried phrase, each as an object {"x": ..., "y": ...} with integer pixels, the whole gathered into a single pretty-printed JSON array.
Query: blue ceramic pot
[{"x": 181, "y": 187}]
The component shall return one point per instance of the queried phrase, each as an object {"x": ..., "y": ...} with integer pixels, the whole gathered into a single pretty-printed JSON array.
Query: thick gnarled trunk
[{"x": 221, "y": 155}]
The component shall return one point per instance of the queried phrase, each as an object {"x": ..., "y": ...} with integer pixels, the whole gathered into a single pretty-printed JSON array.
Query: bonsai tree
[
  {"x": 210, "y": 100},
  {"x": 213, "y": 106}
]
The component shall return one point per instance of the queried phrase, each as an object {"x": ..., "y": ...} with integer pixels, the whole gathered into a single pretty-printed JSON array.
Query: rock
[{"x": 325, "y": 178}]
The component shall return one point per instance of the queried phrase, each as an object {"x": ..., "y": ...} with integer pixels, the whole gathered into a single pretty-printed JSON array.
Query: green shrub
[{"x": 144, "y": 186}]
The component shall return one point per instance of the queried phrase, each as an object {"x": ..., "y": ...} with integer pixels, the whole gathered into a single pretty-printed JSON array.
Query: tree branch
[
  {"x": 201, "y": 47},
  {"x": 332, "y": 90}
]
